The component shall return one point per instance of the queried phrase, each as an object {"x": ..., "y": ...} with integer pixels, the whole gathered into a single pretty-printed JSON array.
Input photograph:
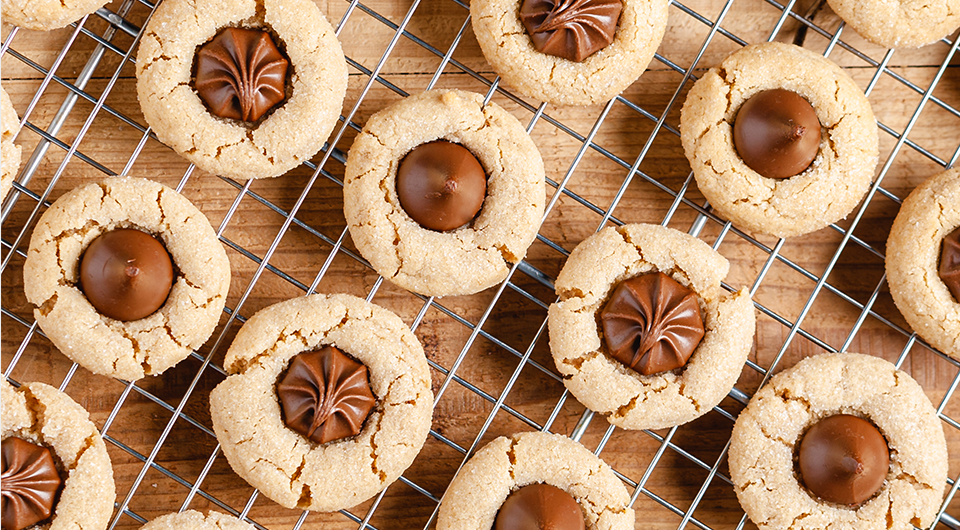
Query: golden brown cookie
[
  {"x": 763, "y": 447},
  {"x": 104, "y": 345},
  {"x": 9, "y": 151},
  {"x": 928, "y": 214},
  {"x": 45, "y": 15},
  {"x": 194, "y": 520},
  {"x": 627, "y": 398},
  {"x": 509, "y": 463},
  {"x": 42, "y": 415},
  {"x": 271, "y": 145},
  {"x": 597, "y": 79},
  {"x": 460, "y": 261},
  {"x": 285, "y": 465},
  {"x": 900, "y": 24},
  {"x": 828, "y": 189}
]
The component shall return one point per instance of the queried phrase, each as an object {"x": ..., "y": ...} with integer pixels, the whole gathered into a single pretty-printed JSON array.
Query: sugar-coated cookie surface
[
  {"x": 293, "y": 133},
  {"x": 45, "y": 15},
  {"x": 9, "y": 151},
  {"x": 41, "y": 414},
  {"x": 470, "y": 258},
  {"x": 826, "y": 191},
  {"x": 763, "y": 445},
  {"x": 599, "y": 78},
  {"x": 286, "y": 466},
  {"x": 150, "y": 345},
  {"x": 929, "y": 213},
  {"x": 509, "y": 463},
  {"x": 194, "y": 520},
  {"x": 900, "y": 23}
]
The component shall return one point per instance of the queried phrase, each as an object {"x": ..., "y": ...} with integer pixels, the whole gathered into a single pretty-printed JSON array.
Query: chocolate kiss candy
[
  {"x": 652, "y": 324},
  {"x": 325, "y": 395},
  {"x": 126, "y": 274},
  {"x": 241, "y": 74},
  {"x": 844, "y": 459},
  {"x": 29, "y": 483},
  {"x": 950, "y": 263},
  {"x": 777, "y": 133},
  {"x": 570, "y": 29},
  {"x": 441, "y": 185},
  {"x": 539, "y": 507}
]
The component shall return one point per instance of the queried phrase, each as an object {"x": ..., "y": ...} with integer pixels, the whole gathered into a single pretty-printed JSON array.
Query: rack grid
[{"x": 492, "y": 376}]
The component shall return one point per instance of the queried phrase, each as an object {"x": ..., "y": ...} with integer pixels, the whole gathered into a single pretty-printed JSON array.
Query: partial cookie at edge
[
  {"x": 45, "y": 15},
  {"x": 900, "y": 24},
  {"x": 10, "y": 151},
  {"x": 929, "y": 213},
  {"x": 41, "y": 414},
  {"x": 509, "y": 463},
  {"x": 599, "y": 78},
  {"x": 292, "y": 134},
  {"x": 194, "y": 520},
  {"x": 762, "y": 447}
]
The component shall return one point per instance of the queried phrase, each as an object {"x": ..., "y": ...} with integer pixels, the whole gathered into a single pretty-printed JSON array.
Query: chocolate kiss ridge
[
  {"x": 325, "y": 395},
  {"x": 652, "y": 324},
  {"x": 571, "y": 29},
  {"x": 241, "y": 74},
  {"x": 29, "y": 483},
  {"x": 950, "y": 263}
]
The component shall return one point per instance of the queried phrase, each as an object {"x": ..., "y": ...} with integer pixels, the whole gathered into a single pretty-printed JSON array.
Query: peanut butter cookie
[
  {"x": 730, "y": 169},
  {"x": 923, "y": 261},
  {"x": 672, "y": 373},
  {"x": 413, "y": 243},
  {"x": 791, "y": 415},
  {"x": 57, "y": 473},
  {"x": 273, "y": 425},
  {"x": 127, "y": 277},
  {"x": 241, "y": 88},
  {"x": 509, "y": 465}
]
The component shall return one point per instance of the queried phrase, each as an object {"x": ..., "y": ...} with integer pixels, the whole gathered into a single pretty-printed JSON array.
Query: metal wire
[{"x": 105, "y": 44}]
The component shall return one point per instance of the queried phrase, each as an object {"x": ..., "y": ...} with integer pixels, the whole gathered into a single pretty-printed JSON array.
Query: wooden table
[{"x": 634, "y": 170}]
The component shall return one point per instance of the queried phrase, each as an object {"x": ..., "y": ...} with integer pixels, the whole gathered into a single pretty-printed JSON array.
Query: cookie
[
  {"x": 509, "y": 463},
  {"x": 285, "y": 114},
  {"x": 823, "y": 193},
  {"x": 125, "y": 348},
  {"x": 194, "y": 520},
  {"x": 45, "y": 417},
  {"x": 284, "y": 464},
  {"x": 508, "y": 47},
  {"x": 44, "y": 15},
  {"x": 9, "y": 151},
  {"x": 766, "y": 436},
  {"x": 901, "y": 24},
  {"x": 474, "y": 256},
  {"x": 927, "y": 218},
  {"x": 669, "y": 396}
]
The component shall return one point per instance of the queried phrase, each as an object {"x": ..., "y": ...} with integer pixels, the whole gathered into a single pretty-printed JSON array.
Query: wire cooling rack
[{"x": 489, "y": 356}]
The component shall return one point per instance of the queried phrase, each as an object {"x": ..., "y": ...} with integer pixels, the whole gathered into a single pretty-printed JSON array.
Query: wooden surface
[{"x": 674, "y": 478}]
